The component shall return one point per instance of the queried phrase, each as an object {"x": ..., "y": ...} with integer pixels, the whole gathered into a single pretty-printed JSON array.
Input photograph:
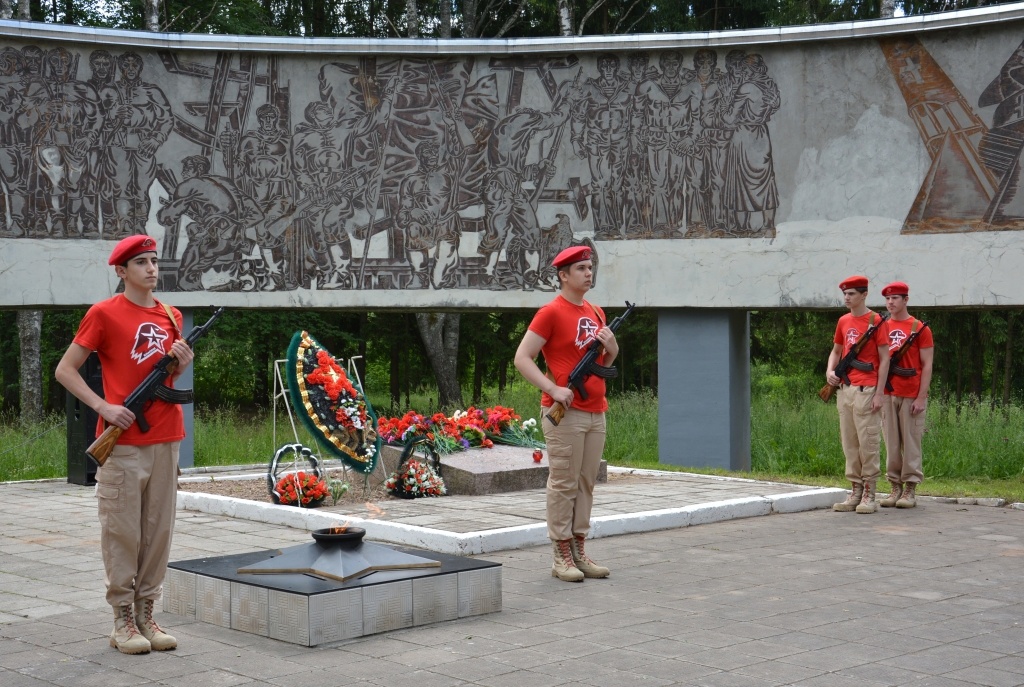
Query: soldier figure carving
[
  {"x": 511, "y": 217},
  {"x": 138, "y": 121},
  {"x": 330, "y": 190},
  {"x": 428, "y": 214},
  {"x": 661, "y": 124},
  {"x": 600, "y": 135}
]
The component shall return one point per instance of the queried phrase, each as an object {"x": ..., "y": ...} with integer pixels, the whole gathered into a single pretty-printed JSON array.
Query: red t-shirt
[
  {"x": 848, "y": 332},
  {"x": 896, "y": 333},
  {"x": 130, "y": 340},
  {"x": 567, "y": 330}
]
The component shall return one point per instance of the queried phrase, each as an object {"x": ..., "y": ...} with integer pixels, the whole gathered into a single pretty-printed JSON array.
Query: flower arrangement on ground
[
  {"x": 415, "y": 479},
  {"x": 303, "y": 489},
  {"x": 473, "y": 427}
]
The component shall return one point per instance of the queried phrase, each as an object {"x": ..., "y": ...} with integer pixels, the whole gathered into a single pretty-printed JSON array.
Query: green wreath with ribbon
[{"x": 333, "y": 407}]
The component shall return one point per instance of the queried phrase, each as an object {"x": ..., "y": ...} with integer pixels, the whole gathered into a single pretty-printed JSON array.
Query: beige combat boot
[
  {"x": 564, "y": 568},
  {"x": 158, "y": 639},
  {"x": 894, "y": 495},
  {"x": 868, "y": 504},
  {"x": 126, "y": 637},
  {"x": 584, "y": 562},
  {"x": 909, "y": 498},
  {"x": 852, "y": 501}
]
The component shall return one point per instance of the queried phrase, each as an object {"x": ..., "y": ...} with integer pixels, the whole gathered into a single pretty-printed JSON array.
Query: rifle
[
  {"x": 151, "y": 387},
  {"x": 850, "y": 360},
  {"x": 588, "y": 366},
  {"x": 895, "y": 369}
]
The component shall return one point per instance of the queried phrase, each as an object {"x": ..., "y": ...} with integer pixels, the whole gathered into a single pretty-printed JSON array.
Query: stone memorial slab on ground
[
  {"x": 493, "y": 470},
  {"x": 498, "y": 469}
]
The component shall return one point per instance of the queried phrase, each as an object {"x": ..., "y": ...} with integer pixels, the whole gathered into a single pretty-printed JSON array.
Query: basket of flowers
[
  {"x": 291, "y": 485},
  {"x": 415, "y": 478},
  {"x": 303, "y": 489}
]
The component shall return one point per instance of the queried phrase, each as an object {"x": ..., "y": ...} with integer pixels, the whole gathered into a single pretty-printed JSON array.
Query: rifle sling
[
  {"x": 170, "y": 316},
  {"x": 860, "y": 364}
]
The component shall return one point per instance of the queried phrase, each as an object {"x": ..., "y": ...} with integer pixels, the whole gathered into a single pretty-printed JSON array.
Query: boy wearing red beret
[
  {"x": 136, "y": 487},
  {"x": 859, "y": 401},
  {"x": 912, "y": 349},
  {"x": 563, "y": 330}
]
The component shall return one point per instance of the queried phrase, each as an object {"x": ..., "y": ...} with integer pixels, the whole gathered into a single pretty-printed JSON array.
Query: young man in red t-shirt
[
  {"x": 136, "y": 487},
  {"x": 860, "y": 400},
  {"x": 905, "y": 405},
  {"x": 563, "y": 330}
]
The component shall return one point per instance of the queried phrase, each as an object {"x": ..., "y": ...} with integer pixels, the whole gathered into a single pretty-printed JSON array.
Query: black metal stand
[{"x": 81, "y": 426}]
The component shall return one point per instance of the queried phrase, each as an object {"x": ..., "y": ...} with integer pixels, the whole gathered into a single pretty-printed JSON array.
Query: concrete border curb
[{"x": 504, "y": 539}]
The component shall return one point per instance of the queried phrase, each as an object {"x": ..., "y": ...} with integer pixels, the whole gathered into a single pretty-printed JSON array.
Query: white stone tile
[
  {"x": 179, "y": 595},
  {"x": 213, "y": 601},
  {"x": 435, "y": 599},
  {"x": 250, "y": 609},
  {"x": 479, "y": 591},
  {"x": 335, "y": 616},
  {"x": 288, "y": 618},
  {"x": 387, "y": 606}
]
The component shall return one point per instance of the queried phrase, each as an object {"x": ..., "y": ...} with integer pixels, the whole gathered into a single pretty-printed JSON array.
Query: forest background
[{"x": 444, "y": 360}]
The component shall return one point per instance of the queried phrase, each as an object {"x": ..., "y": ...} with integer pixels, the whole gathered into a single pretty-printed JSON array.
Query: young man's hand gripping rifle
[
  {"x": 850, "y": 361},
  {"x": 588, "y": 366},
  {"x": 151, "y": 387}
]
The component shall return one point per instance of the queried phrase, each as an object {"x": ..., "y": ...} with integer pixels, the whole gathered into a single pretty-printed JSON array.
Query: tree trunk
[
  {"x": 440, "y": 334},
  {"x": 1008, "y": 359},
  {"x": 152, "y": 15},
  {"x": 980, "y": 335},
  {"x": 479, "y": 364},
  {"x": 887, "y": 9},
  {"x": 261, "y": 388},
  {"x": 30, "y": 329},
  {"x": 412, "y": 19},
  {"x": 470, "y": 14},
  {"x": 24, "y": 10},
  {"x": 444, "y": 25},
  {"x": 565, "y": 18},
  {"x": 395, "y": 373},
  {"x": 6, "y": 9}
]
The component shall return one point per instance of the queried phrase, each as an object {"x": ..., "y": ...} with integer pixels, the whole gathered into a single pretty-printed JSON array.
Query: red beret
[
  {"x": 571, "y": 255},
  {"x": 897, "y": 288},
  {"x": 854, "y": 282},
  {"x": 128, "y": 248}
]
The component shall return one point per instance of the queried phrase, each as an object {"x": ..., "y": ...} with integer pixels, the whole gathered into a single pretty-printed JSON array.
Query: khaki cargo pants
[
  {"x": 575, "y": 448},
  {"x": 861, "y": 432},
  {"x": 136, "y": 490}
]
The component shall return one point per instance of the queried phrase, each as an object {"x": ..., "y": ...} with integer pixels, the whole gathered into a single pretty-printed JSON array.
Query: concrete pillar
[
  {"x": 704, "y": 388},
  {"x": 186, "y": 455}
]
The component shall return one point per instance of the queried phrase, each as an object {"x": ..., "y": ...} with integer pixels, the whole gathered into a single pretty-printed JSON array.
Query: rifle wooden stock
[
  {"x": 556, "y": 413},
  {"x": 100, "y": 449},
  {"x": 850, "y": 359},
  {"x": 826, "y": 392}
]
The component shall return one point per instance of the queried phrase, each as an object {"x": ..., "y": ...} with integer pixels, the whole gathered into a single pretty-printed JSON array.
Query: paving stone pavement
[{"x": 930, "y": 597}]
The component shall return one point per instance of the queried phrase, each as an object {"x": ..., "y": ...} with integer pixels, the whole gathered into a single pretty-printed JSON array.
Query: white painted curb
[{"x": 507, "y": 538}]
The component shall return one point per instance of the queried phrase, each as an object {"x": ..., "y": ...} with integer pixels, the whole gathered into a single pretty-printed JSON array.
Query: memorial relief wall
[{"x": 739, "y": 170}]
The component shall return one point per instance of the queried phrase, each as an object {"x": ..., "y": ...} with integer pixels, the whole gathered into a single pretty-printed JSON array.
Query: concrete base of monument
[
  {"x": 496, "y": 470},
  {"x": 310, "y": 609}
]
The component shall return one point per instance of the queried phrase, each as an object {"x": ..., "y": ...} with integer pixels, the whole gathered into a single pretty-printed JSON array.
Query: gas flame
[
  {"x": 375, "y": 511},
  {"x": 339, "y": 529}
]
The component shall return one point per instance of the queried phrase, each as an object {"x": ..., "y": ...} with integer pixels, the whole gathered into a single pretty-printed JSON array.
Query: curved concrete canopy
[{"x": 749, "y": 169}]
